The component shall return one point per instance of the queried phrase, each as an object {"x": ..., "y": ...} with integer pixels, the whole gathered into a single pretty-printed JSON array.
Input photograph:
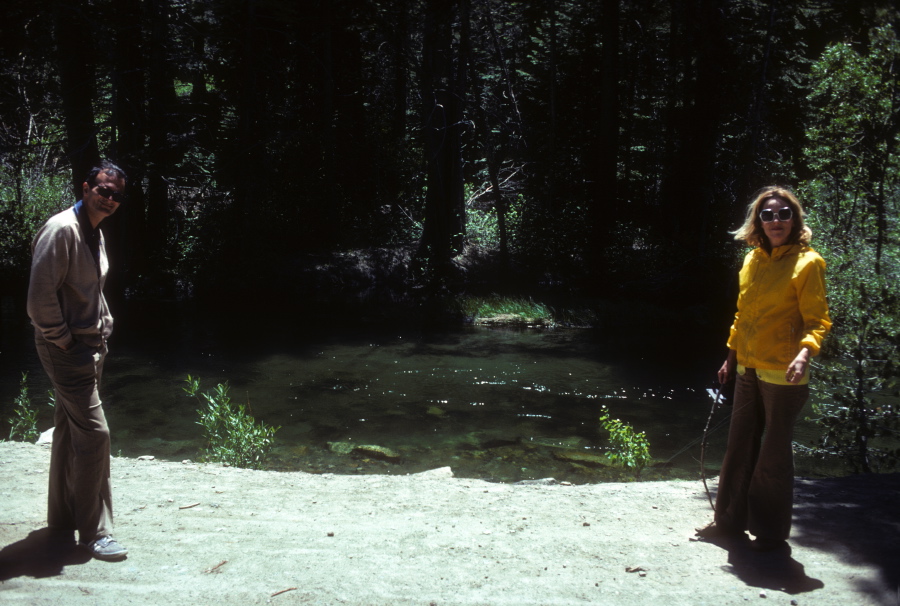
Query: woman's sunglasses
[{"x": 782, "y": 214}]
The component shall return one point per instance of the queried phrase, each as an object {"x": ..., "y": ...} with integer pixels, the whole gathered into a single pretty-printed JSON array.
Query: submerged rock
[
  {"x": 377, "y": 452},
  {"x": 481, "y": 440},
  {"x": 587, "y": 459},
  {"x": 342, "y": 448},
  {"x": 364, "y": 450}
]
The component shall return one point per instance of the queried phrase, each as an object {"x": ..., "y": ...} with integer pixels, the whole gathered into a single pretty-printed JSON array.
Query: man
[{"x": 72, "y": 323}]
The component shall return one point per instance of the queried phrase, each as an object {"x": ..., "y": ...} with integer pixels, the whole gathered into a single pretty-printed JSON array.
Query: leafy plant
[
  {"x": 857, "y": 381},
  {"x": 231, "y": 434},
  {"x": 630, "y": 448},
  {"x": 25, "y": 415},
  {"x": 27, "y": 199},
  {"x": 852, "y": 141}
]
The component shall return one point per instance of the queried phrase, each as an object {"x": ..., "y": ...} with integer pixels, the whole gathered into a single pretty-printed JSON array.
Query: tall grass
[{"x": 514, "y": 309}]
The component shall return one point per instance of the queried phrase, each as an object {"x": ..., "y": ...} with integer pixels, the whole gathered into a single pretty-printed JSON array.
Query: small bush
[
  {"x": 231, "y": 434},
  {"x": 25, "y": 415},
  {"x": 629, "y": 448}
]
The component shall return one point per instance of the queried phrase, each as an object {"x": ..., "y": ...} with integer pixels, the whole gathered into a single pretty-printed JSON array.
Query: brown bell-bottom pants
[
  {"x": 756, "y": 484},
  {"x": 79, "y": 496}
]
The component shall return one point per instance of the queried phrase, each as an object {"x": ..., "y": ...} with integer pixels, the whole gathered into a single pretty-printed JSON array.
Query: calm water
[{"x": 504, "y": 405}]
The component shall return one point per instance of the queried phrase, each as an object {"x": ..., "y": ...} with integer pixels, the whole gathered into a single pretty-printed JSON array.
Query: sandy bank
[{"x": 204, "y": 534}]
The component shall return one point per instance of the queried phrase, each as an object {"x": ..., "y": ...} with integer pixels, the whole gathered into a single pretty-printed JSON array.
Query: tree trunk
[
  {"x": 760, "y": 94},
  {"x": 691, "y": 176},
  {"x": 248, "y": 112},
  {"x": 443, "y": 93},
  {"x": 77, "y": 84},
  {"x": 161, "y": 106},
  {"x": 129, "y": 125},
  {"x": 604, "y": 202}
]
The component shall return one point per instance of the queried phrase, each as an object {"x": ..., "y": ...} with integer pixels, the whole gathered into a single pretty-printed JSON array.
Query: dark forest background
[{"x": 403, "y": 151}]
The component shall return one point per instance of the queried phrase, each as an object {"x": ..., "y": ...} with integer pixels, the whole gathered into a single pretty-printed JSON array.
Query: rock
[
  {"x": 146, "y": 458},
  {"x": 511, "y": 320},
  {"x": 440, "y": 472},
  {"x": 46, "y": 437}
]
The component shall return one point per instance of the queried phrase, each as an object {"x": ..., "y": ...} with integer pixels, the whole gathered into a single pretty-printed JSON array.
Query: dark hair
[{"x": 108, "y": 168}]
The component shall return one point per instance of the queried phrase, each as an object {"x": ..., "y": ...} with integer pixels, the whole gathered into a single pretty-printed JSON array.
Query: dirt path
[{"x": 204, "y": 534}]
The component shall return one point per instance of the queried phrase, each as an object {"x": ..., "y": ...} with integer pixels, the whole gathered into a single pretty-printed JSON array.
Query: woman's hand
[
  {"x": 728, "y": 367},
  {"x": 797, "y": 369}
]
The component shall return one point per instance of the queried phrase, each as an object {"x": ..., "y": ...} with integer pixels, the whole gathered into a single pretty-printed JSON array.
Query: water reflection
[{"x": 496, "y": 404}]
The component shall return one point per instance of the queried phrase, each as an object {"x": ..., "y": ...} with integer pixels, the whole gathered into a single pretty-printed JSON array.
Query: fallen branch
[
  {"x": 283, "y": 591},
  {"x": 189, "y": 506},
  {"x": 216, "y": 567}
]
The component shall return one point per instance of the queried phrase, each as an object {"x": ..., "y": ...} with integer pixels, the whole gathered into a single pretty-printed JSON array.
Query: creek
[{"x": 499, "y": 404}]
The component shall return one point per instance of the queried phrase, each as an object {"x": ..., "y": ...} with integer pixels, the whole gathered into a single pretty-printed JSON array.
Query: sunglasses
[
  {"x": 110, "y": 194},
  {"x": 782, "y": 214}
]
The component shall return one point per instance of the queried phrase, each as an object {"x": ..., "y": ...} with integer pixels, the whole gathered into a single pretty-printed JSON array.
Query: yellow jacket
[{"x": 781, "y": 307}]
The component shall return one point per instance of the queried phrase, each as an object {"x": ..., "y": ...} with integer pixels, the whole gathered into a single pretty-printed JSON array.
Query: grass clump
[
  {"x": 231, "y": 434},
  {"x": 512, "y": 310}
]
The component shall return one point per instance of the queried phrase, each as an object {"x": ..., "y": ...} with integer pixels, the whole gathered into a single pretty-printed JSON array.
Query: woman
[{"x": 781, "y": 320}]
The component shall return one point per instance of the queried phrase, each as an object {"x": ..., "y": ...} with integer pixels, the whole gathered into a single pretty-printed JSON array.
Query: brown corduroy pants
[
  {"x": 79, "y": 496},
  {"x": 756, "y": 484}
]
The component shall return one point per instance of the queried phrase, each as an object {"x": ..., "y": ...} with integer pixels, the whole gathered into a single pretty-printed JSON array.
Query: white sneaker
[{"x": 107, "y": 549}]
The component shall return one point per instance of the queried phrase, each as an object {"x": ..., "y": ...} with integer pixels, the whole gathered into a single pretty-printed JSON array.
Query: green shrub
[
  {"x": 27, "y": 200},
  {"x": 23, "y": 423},
  {"x": 630, "y": 448},
  {"x": 857, "y": 380},
  {"x": 854, "y": 199},
  {"x": 231, "y": 435}
]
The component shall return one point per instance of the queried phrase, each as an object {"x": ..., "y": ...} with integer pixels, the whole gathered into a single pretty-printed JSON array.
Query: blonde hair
[{"x": 752, "y": 231}]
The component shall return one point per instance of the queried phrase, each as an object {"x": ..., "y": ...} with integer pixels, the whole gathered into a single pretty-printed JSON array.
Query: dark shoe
[
  {"x": 767, "y": 545},
  {"x": 106, "y": 549}
]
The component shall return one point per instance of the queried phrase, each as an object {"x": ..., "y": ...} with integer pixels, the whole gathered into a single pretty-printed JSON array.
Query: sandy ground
[{"x": 204, "y": 534}]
